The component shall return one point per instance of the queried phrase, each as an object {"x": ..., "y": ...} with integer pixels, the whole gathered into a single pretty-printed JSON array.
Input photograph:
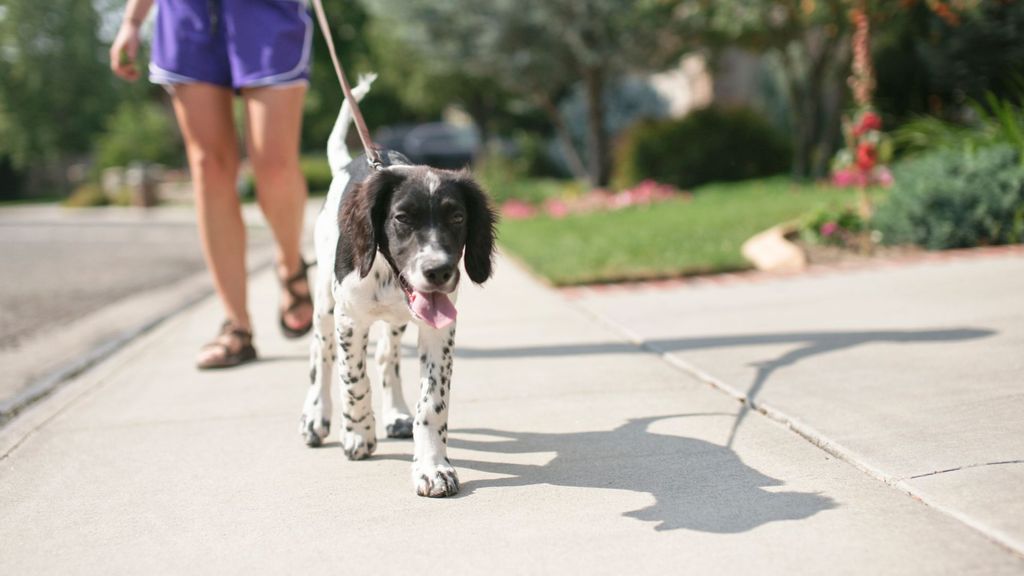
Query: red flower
[
  {"x": 868, "y": 122},
  {"x": 867, "y": 156}
]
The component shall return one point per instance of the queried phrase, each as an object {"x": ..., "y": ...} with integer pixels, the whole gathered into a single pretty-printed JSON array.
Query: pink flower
[
  {"x": 556, "y": 208},
  {"x": 646, "y": 192},
  {"x": 882, "y": 176},
  {"x": 829, "y": 228},
  {"x": 849, "y": 176},
  {"x": 517, "y": 210}
]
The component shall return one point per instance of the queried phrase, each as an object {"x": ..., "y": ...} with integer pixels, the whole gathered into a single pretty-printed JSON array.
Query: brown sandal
[
  {"x": 226, "y": 357},
  {"x": 298, "y": 300}
]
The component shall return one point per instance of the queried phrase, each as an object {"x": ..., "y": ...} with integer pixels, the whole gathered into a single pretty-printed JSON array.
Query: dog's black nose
[{"x": 439, "y": 274}]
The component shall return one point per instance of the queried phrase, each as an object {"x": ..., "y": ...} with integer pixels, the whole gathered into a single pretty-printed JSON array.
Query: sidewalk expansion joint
[
  {"x": 807, "y": 432},
  {"x": 965, "y": 467}
]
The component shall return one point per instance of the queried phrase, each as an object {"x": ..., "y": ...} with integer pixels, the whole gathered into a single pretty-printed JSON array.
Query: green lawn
[{"x": 675, "y": 238}]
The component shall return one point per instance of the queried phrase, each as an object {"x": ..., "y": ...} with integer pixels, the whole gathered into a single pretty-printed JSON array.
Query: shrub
[
  {"x": 709, "y": 145},
  {"x": 139, "y": 132},
  {"x": 995, "y": 121},
  {"x": 317, "y": 172},
  {"x": 952, "y": 199},
  {"x": 86, "y": 196}
]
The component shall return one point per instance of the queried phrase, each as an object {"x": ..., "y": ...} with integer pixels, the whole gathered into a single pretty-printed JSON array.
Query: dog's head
[{"x": 423, "y": 221}]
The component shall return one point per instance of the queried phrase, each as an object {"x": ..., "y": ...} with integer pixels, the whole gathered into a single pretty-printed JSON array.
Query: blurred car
[{"x": 436, "y": 144}]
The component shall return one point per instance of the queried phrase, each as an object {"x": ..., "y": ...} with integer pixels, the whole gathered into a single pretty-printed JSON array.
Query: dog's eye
[
  {"x": 457, "y": 218},
  {"x": 404, "y": 218}
]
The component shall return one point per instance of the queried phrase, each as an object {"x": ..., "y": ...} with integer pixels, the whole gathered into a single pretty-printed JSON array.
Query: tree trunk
[
  {"x": 481, "y": 110},
  {"x": 798, "y": 119},
  {"x": 572, "y": 157},
  {"x": 597, "y": 136},
  {"x": 814, "y": 98}
]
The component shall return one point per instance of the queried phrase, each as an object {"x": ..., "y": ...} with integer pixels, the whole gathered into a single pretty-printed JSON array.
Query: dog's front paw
[
  {"x": 314, "y": 430},
  {"x": 400, "y": 427},
  {"x": 358, "y": 446},
  {"x": 435, "y": 481}
]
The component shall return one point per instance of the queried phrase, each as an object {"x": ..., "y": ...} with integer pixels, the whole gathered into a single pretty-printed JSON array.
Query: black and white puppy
[{"x": 388, "y": 246}]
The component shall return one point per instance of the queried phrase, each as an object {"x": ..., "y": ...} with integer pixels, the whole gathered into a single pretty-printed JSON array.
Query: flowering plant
[
  {"x": 868, "y": 150},
  {"x": 832, "y": 228},
  {"x": 646, "y": 192},
  {"x": 863, "y": 162}
]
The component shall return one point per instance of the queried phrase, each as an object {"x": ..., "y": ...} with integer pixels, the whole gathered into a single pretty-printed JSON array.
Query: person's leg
[
  {"x": 204, "y": 115},
  {"x": 274, "y": 125}
]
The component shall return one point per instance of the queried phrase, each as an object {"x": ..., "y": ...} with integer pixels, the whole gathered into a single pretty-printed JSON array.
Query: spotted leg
[
  {"x": 389, "y": 357},
  {"x": 432, "y": 473},
  {"x": 315, "y": 424},
  {"x": 359, "y": 438}
]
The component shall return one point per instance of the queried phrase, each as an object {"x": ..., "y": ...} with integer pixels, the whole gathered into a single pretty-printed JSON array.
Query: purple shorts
[{"x": 231, "y": 43}]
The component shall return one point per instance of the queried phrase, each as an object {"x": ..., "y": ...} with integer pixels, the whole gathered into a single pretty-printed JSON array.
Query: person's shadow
[{"x": 696, "y": 484}]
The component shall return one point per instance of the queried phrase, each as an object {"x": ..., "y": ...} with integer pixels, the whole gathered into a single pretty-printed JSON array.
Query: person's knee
[
  {"x": 275, "y": 167},
  {"x": 209, "y": 164}
]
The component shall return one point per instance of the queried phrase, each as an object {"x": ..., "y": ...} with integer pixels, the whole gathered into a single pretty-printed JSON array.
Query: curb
[
  {"x": 181, "y": 296},
  {"x": 813, "y": 271}
]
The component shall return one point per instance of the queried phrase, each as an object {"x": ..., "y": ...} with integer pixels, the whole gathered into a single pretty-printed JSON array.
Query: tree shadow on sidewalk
[
  {"x": 696, "y": 484},
  {"x": 810, "y": 344}
]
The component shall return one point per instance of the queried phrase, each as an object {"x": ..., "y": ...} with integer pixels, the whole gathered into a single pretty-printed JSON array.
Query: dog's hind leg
[
  {"x": 316, "y": 412},
  {"x": 359, "y": 438},
  {"x": 389, "y": 358},
  {"x": 432, "y": 473}
]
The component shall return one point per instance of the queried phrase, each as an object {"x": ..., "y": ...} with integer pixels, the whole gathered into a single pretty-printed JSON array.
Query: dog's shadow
[{"x": 696, "y": 484}]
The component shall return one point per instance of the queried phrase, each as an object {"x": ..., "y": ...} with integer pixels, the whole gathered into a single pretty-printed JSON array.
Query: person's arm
[{"x": 125, "y": 49}]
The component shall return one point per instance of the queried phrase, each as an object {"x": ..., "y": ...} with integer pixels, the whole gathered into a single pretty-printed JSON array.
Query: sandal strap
[
  {"x": 225, "y": 355},
  {"x": 299, "y": 275},
  {"x": 229, "y": 329},
  {"x": 289, "y": 283}
]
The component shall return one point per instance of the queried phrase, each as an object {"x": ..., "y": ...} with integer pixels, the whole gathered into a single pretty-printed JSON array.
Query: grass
[
  {"x": 675, "y": 238},
  {"x": 45, "y": 199}
]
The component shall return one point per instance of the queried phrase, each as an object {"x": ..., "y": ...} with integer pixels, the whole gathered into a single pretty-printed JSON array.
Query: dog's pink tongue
[{"x": 434, "y": 308}]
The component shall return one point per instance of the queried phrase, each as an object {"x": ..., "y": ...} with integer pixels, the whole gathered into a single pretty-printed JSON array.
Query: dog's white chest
[{"x": 376, "y": 297}]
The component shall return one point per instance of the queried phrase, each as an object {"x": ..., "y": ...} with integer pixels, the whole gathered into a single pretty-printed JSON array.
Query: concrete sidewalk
[
  {"x": 914, "y": 373},
  {"x": 577, "y": 450}
]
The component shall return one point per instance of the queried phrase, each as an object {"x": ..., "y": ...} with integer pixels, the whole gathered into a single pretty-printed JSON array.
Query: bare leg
[
  {"x": 204, "y": 115},
  {"x": 274, "y": 117}
]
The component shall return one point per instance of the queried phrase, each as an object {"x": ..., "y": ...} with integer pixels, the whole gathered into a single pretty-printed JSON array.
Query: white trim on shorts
[
  {"x": 158, "y": 75},
  {"x": 289, "y": 76}
]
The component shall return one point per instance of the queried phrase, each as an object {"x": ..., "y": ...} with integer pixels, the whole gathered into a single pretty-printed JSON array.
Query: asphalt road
[
  {"x": 62, "y": 268},
  {"x": 57, "y": 271}
]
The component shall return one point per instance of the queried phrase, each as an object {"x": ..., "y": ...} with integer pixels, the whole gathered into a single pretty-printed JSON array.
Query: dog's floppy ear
[
  {"x": 480, "y": 229},
  {"x": 363, "y": 217}
]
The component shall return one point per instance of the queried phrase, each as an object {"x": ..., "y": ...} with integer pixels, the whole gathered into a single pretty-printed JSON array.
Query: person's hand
[{"x": 124, "y": 52}]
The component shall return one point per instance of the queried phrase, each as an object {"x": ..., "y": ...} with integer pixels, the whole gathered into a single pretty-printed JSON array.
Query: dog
[{"x": 388, "y": 245}]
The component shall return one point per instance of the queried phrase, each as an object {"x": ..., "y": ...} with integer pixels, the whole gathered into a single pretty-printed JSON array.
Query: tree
[
  {"x": 55, "y": 89},
  {"x": 810, "y": 41},
  {"x": 537, "y": 49}
]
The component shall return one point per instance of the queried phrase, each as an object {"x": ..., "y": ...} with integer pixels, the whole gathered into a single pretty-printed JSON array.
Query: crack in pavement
[{"x": 968, "y": 466}]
